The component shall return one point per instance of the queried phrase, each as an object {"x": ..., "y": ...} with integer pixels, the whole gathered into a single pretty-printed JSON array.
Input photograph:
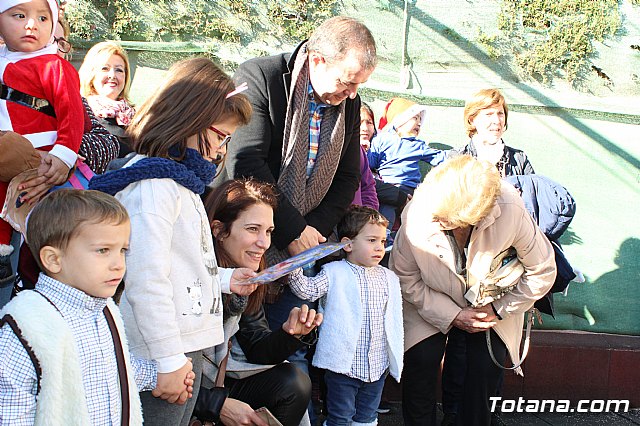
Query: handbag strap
[
  {"x": 86, "y": 173},
  {"x": 531, "y": 314},
  {"x": 222, "y": 369},
  {"x": 122, "y": 370}
]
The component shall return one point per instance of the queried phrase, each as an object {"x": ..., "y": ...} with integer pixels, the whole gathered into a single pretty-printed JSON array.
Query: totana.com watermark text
[{"x": 522, "y": 405}]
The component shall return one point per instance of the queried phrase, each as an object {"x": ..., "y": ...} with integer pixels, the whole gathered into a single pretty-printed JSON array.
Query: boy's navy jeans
[{"x": 351, "y": 400}]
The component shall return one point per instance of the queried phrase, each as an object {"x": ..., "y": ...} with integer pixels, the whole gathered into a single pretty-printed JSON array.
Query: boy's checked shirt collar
[{"x": 84, "y": 316}]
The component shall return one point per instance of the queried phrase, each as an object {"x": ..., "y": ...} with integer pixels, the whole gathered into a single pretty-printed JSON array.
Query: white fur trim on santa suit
[
  {"x": 53, "y": 7},
  {"x": 39, "y": 140}
]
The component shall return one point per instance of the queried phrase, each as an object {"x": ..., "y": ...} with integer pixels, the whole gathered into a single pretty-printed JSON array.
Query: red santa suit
[{"x": 42, "y": 74}]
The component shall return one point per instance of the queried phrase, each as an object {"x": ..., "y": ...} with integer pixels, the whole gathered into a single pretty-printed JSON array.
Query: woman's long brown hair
[{"x": 225, "y": 203}]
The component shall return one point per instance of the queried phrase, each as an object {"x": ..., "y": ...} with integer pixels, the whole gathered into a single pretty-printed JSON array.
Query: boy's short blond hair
[{"x": 58, "y": 217}]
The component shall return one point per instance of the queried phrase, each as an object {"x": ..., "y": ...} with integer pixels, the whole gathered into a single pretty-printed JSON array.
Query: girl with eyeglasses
[{"x": 172, "y": 304}]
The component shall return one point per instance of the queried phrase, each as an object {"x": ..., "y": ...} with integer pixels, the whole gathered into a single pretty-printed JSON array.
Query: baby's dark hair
[
  {"x": 58, "y": 217},
  {"x": 356, "y": 218}
]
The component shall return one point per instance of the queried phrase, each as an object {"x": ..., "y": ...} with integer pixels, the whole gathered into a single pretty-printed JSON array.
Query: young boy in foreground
[
  {"x": 361, "y": 337},
  {"x": 64, "y": 357}
]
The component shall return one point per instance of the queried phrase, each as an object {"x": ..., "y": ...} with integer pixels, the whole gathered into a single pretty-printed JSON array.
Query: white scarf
[{"x": 489, "y": 152}]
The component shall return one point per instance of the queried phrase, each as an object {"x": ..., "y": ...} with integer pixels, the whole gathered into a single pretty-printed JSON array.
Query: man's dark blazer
[{"x": 256, "y": 149}]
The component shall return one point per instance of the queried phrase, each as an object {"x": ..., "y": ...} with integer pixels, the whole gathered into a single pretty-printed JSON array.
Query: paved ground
[{"x": 394, "y": 418}]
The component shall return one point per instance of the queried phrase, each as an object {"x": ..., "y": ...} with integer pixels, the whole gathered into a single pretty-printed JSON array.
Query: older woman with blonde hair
[
  {"x": 485, "y": 120},
  {"x": 459, "y": 225},
  {"x": 105, "y": 80}
]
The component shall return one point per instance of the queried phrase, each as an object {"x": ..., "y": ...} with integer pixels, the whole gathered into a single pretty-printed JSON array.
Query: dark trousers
[
  {"x": 284, "y": 389},
  {"x": 454, "y": 369},
  {"x": 392, "y": 209},
  {"x": 277, "y": 313},
  {"x": 420, "y": 376}
]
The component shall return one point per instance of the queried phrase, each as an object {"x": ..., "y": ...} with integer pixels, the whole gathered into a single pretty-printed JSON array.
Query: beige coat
[{"x": 433, "y": 294}]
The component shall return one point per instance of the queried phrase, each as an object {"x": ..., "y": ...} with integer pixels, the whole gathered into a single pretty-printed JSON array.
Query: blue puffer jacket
[
  {"x": 548, "y": 202},
  {"x": 552, "y": 208},
  {"x": 397, "y": 159}
]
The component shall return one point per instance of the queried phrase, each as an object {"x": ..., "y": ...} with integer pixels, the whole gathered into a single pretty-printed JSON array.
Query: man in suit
[
  {"x": 304, "y": 136},
  {"x": 339, "y": 56}
]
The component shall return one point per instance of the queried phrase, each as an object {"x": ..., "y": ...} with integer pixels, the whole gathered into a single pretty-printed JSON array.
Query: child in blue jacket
[{"x": 396, "y": 151}]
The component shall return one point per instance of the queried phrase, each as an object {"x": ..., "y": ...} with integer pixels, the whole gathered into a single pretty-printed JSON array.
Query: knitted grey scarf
[{"x": 306, "y": 194}]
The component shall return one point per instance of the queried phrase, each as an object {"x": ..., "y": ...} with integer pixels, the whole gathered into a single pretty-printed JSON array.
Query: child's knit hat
[
  {"x": 54, "y": 6},
  {"x": 398, "y": 111}
]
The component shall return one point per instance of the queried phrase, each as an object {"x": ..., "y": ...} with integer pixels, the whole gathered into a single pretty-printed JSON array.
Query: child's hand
[
  {"x": 54, "y": 169},
  {"x": 189, "y": 380},
  {"x": 240, "y": 275},
  {"x": 301, "y": 321},
  {"x": 172, "y": 386}
]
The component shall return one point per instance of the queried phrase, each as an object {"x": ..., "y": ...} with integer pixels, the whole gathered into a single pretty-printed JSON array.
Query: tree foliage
[
  {"x": 555, "y": 37},
  {"x": 157, "y": 20},
  {"x": 296, "y": 19},
  {"x": 195, "y": 20}
]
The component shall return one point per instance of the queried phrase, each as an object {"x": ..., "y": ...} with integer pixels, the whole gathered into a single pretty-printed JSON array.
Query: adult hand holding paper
[{"x": 283, "y": 268}]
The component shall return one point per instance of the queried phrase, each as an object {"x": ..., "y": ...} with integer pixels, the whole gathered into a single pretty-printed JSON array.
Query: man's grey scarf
[{"x": 306, "y": 194}]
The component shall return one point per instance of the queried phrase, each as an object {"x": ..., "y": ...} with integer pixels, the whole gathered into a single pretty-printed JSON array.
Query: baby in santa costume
[{"x": 39, "y": 99}]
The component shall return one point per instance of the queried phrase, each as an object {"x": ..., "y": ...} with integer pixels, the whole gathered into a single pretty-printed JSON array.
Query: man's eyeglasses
[
  {"x": 225, "y": 138},
  {"x": 63, "y": 45}
]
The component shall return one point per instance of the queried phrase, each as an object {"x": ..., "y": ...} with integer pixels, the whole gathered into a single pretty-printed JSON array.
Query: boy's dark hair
[
  {"x": 57, "y": 218},
  {"x": 356, "y": 218}
]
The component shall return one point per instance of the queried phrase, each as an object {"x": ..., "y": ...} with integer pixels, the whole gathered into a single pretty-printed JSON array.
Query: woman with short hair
[
  {"x": 460, "y": 222},
  {"x": 485, "y": 119}
]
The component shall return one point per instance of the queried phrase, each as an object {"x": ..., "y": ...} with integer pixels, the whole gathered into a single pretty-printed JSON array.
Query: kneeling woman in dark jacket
[{"x": 241, "y": 215}]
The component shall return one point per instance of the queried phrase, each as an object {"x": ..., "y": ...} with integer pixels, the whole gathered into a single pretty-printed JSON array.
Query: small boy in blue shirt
[
  {"x": 361, "y": 338},
  {"x": 63, "y": 352},
  {"x": 396, "y": 150}
]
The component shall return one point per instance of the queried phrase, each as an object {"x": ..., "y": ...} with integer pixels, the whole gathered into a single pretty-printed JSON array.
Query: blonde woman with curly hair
[
  {"x": 460, "y": 220},
  {"x": 105, "y": 80}
]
